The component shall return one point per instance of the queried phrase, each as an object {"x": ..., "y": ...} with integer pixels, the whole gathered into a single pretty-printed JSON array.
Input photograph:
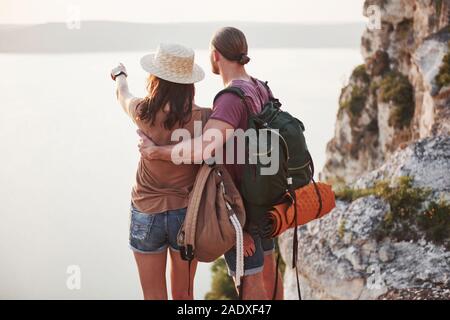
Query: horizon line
[{"x": 312, "y": 23}]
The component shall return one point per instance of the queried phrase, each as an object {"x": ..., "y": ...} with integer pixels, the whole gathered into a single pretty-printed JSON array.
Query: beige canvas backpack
[{"x": 214, "y": 219}]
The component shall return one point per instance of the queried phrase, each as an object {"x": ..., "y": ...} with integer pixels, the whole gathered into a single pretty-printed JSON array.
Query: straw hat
[{"x": 173, "y": 62}]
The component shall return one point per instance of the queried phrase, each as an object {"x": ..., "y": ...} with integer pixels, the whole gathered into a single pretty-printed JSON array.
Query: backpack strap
[
  {"x": 271, "y": 96},
  {"x": 266, "y": 85},
  {"x": 190, "y": 223},
  {"x": 187, "y": 251},
  {"x": 295, "y": 239},
  {"x": 277, "y": 266},
  {"x": 237, "y": 92}
]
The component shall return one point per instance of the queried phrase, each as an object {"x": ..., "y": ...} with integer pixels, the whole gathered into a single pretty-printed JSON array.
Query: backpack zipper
[
  {"x": 301, "y": 167},
  {"x": 282, "y": 138}
]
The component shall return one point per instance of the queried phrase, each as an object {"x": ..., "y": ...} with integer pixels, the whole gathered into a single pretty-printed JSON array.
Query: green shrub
[
  {"x": 405, "y": 204},
  {"x": 360, "y": 73},
  {"x": 435, "y": 222},
  {"x": 407, "y": 218},
  {"x": 443, "y": 77},
  {"x": 374, "y": 86},
  {"x": 350, "y": 194},
  {"x": 341, "y": 228},
  {"x": 355, "y": 104},
  {"x": 222, "y": 286},
  {"x": 396, "y": 88},
  {"x": 358, "y": 96},
  {"x": 438, "y": 4}
]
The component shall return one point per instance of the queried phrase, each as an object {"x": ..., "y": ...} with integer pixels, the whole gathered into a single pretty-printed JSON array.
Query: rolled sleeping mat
[{"x": 282, "y": 216}]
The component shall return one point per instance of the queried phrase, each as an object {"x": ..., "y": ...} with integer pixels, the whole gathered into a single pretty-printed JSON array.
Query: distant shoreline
[{"x": 107, "y": 36}]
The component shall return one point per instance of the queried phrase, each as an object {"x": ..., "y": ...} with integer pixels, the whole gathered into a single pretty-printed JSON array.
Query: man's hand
[
  {"x": 146, "y": 145},
  {"x": 249, "y": 245}
]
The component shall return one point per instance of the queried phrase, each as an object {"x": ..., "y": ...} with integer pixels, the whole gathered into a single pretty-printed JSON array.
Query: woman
[{"x": 159, "y": 197}]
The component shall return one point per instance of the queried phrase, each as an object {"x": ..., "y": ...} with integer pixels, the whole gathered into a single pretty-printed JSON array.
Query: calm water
[{"x": 68, "y": 160}]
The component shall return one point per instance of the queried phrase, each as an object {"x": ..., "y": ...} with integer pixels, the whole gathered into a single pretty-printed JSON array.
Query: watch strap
[{"x": 114, "y": 76}]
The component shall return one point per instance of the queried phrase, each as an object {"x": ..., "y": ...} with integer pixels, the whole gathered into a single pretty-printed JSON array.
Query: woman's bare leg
[
  {"x": 152, "y": 272},
  {"x": 179, "y": 277}
]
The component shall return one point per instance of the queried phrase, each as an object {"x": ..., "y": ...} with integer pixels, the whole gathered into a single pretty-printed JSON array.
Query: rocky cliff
[
  {"x": 398, "y": 95},
  {"x": 389, "y": 163}
]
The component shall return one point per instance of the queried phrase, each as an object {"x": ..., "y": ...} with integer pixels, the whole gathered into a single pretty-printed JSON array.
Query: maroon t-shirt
[{"x": 229, "y": 108}]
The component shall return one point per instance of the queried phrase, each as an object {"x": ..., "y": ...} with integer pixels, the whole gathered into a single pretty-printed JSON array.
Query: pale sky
[{"x": 153, "y": 11}]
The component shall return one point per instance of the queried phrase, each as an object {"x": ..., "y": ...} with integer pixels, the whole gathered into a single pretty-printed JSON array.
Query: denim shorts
[
  {"x": 154, "y": 233},
  {"x": 255, "y": 263}
]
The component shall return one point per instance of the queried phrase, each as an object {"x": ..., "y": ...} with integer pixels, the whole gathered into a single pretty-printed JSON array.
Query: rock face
[
  {"x": 393, "y": 122},
  {"x": 427, "y": 160},
  {"x": 341, "y": 257},
  {"x": 394, "y": 98}
]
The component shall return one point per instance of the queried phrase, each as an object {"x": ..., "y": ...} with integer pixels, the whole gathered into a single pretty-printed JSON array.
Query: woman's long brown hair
[{"x": 161, "y": 92}]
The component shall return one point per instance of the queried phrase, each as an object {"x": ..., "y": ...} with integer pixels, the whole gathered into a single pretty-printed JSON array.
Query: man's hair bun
[{"x": 244, "y": 59}]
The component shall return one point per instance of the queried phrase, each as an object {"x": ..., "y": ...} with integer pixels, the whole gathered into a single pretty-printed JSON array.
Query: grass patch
[
  {"x": 350, "y": 194},
  {"x": 358, "y": 96},
  {"x": 355, "y": 104},
  {"x": 374, "y": 86},
  {"x": 438, "y": 5},
  {"x": 396, "y": 88},
  {"x": 222, "y": 286},
  {"x": 360, "y": 73},
  {"x": 341, "y": 229},
  {"x": 443, "y": 76},
  {"x": 435, "y": 222},
  {"x": 407, "y": 218}
]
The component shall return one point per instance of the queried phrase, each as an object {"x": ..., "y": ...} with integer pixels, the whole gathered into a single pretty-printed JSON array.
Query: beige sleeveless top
[{"x": 162, "y": 185}]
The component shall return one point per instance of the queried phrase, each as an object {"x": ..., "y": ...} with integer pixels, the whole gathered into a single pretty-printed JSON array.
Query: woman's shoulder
[
  {"x": 196, "y": 108},
  {"x": 201, "y": 112}
]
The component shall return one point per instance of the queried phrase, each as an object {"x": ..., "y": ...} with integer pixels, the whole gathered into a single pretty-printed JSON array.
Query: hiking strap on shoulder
[
  {"x": 269, "y": 91},
  {"x": 237, "y": 92}
]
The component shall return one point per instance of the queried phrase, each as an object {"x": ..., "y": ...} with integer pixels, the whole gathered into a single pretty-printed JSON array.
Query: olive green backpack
[{"x": 296, "y": 169}]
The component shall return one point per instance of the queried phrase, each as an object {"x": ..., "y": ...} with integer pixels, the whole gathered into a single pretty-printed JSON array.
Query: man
[{"x": 228, "y": 59}]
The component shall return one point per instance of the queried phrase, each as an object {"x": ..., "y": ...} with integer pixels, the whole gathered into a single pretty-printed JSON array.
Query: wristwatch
[{"x": 114, "y": 76}]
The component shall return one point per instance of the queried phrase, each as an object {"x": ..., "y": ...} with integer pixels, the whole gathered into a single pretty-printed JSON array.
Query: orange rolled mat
[{"x": 282, "y": 216}]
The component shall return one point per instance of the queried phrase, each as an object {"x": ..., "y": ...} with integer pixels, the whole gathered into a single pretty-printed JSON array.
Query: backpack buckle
[
  {"x": 276, "y": 103},
  {"x": 187, "y": 253}
]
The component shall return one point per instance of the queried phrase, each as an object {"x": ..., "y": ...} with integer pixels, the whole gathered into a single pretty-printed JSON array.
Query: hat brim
[{"x": 148, "y": 64}]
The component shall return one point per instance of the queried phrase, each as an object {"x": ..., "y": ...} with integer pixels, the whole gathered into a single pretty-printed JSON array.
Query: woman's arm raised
[{"x": 125, "y": 98}]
